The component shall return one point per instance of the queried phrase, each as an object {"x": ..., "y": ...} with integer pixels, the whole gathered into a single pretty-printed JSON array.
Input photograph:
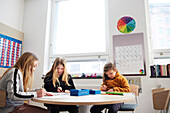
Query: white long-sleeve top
[{"x": 12, "y": 83}]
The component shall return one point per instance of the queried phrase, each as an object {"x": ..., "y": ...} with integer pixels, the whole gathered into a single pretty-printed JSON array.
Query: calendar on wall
[
  {"x": 10, "y": 51},
  {"x": 128, "y": 54}
]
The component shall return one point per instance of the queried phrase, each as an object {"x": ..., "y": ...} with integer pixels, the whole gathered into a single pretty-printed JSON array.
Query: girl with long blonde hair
[
  {"x": 58, "y": 80},
  {"x": 17, "y": 82}
]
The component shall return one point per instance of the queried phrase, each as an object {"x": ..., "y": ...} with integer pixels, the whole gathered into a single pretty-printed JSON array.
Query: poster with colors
[
  {"x": 10, "y": 51},
  {"x": 126, "y": 24},
  {"x": 129, "y": 54}
]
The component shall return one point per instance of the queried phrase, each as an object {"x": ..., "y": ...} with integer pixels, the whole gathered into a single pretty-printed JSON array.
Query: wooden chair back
[
  {"x": 2, "y": 98},
  {"x": 161, "y": 97},
  {"x": 134, "y": 89}
]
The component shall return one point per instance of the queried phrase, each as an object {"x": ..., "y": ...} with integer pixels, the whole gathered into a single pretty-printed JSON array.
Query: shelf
[
  {"x": 160, "y": 77},
  {"x": 82, "y": 77},
  {"x": 86, "y": 77}
]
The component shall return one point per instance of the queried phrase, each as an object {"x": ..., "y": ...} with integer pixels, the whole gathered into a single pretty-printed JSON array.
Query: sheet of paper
[{"x": 57, "y": 95}]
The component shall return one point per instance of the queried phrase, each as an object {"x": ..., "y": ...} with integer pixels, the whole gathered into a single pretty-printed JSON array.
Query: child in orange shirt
[{"x": 112, "y": 81}]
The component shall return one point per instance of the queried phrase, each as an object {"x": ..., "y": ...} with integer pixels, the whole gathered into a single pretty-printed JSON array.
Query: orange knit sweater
[{"x": 119, "y": 83}]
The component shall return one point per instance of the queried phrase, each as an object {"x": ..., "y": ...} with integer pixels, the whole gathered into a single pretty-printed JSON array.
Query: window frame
[
  {"x": 84, "y": 55},
  {"x": 157, "y": 54}
]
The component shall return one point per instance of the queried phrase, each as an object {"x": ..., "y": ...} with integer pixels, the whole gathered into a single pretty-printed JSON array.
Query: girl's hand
[
  {"x": 49, "y": 94},
  {"x": 40, "y": 93},
  {"x": 59, "y": 89},
  {"x": 67, "y": 91},
  {"x": 43, "y": 92},
  {"x": 110, "y": 90},
  {"x": 103, "y": 87}
]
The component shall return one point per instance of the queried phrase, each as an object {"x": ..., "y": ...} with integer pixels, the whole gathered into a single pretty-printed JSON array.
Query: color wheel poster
[
  {"x": 126, "y": 24},
  {"x": 129, "y": 59},
  {"x": 10, "y": 51}
]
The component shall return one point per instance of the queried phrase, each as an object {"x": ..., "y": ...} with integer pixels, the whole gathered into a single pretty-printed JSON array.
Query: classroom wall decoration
[
  {"x": 135, "y": 81},
  {"x": 126, "y": 24},
  {"x": 10, "y": 51},
  {"x": 128, "y": 54}
]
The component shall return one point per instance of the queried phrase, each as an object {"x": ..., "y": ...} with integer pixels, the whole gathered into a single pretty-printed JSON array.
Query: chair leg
[
  {"x": 167, "y": 109},
  {"x": 105, "y": 110},
  {"x": 162, "y": 111}
]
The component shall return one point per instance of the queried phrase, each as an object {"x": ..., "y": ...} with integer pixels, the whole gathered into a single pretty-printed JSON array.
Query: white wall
[
  {"x": 11, "y": 13},
  {"x": 34, "y": 28}
]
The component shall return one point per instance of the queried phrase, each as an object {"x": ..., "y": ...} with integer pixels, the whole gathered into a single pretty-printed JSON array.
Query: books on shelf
[{"x": 160, "y": 70}]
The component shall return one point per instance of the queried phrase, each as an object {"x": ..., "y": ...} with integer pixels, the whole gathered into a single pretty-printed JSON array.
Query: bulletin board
[
  {"x": 10, "y": 46},
  {"x": 10, "y": 50},
  {"x": 129, "y": 54}
]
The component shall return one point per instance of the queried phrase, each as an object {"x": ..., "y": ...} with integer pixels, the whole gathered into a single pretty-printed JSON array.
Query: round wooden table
[{"x": 65, "y": 99}]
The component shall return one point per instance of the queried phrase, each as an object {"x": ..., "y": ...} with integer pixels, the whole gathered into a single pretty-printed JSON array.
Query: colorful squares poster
[
  {"x": 10, "y": 51},
  {"x": 126, "y": 24}
]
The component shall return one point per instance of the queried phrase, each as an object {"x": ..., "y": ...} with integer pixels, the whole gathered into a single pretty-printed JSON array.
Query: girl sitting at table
[
  {"x": 112, "y": 81},
  {"x": 17, "y": 82},
  {"x": 58, "y": 80}
]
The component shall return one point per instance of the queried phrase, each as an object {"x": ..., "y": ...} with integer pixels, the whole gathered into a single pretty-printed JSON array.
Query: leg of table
[{"x": 84, "y": 108}]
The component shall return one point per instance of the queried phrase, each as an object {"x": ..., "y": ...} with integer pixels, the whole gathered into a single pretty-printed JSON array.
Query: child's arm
[
  {"x": 71, "y": 84},
  {"x": 110, "y": 90},
  {"x": 124, "y": 86}
]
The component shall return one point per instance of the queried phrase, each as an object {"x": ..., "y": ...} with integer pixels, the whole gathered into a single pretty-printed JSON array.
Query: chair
[
  {"x": 130, "y": 107},
  {"x": 2, "y": 98},
  {"x": 161, "y": 97}
]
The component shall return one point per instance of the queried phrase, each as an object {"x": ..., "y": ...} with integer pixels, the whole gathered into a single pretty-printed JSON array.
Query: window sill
[
  {"x": 160, "y": 77},
  {"x": 86, "y": 77}
]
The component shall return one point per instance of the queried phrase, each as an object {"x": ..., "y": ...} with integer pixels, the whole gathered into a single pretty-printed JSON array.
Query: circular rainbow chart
[
  {"x": 126, "y": 24},
  {"x": 141, "y": 71}
]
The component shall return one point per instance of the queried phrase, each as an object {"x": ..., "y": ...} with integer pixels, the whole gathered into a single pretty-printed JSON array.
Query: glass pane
[
  {"x": 79, "y": 27},
  {"x": 86, "y": 67},
  {"x": 160, "y": 23},
  {"x": 161, "y": 61}
]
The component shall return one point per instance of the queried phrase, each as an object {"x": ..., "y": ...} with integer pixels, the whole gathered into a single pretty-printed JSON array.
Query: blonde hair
[
  {"x": 25, "y": 64},
  {"x": 53, "y": 71},
  {"x": 107, "y": 67}
]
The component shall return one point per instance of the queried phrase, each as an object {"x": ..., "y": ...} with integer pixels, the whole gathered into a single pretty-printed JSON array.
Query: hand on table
[
  {"x": 59, "y": 89},
  {"x": 67, "y": 91},
  {"x": 103, "y": 87},
  {"x": 110, "y": 90},
  {"x": 42, "y": 92}
]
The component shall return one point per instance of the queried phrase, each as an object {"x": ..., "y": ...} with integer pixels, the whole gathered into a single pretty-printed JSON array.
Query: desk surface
[{"x": 66, "y": 99}]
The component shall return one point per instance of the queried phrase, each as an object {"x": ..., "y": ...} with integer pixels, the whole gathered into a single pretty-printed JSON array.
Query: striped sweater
[{"x": 12, "y": 83}]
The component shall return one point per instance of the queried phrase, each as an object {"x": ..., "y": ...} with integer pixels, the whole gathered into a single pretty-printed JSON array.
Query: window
[
  {"x": 79, "y": 27},
  {"x": 79, "y": 34},
  {"x": 160, "y": 30},
  {"x": 89, "y": 67}
]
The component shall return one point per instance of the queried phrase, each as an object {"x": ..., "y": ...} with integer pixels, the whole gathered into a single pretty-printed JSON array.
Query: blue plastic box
[
  {"x": 79, "y": 92},
  {"x": 95, "y": 91}
]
